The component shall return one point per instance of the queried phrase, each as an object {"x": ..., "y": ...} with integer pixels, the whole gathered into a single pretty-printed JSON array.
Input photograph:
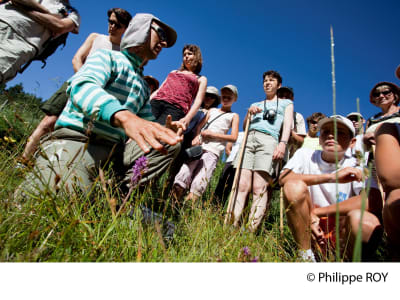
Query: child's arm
[
  {"x": 344, "y": 207},
  {"x": 344, "y": 175},
  {"x": 224, "y": 137},
  {"x": 196, "y": 140},
  {"x": 228, "y": 148}
]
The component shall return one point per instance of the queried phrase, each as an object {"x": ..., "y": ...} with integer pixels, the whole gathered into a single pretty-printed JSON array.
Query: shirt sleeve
[
  {"x": 301, "y": 126},
  {"x": 86, "y": 88},
  {"x": 297, "y": 163}
]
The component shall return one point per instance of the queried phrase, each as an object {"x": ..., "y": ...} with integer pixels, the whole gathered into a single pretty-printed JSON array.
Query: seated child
[
  {"x": 309, "y": 186},
  {"x": 197, "y": 174}
]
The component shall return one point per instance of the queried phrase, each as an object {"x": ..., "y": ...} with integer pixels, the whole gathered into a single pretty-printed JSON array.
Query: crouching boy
[{"x": 309, "y": 186}]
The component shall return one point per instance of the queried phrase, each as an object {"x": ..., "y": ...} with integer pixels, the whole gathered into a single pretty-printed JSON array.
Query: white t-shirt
[
  {"x": 222, "y": 125},
  {"x": 235, "y": 147},
  {"x": 103, "y": 42},
  {"x": 307, "y": 161},
  {"x": 33, "y": 32}
]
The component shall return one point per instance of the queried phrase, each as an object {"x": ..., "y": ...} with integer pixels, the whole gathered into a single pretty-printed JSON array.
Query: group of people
[{"x": 109, "y": 114}]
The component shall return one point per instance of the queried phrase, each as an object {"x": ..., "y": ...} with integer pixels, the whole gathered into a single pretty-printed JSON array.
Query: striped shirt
[{"x": 108, "y": 82}]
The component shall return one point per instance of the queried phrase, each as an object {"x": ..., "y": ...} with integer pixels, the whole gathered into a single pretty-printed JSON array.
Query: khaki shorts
[
  {"x": 14, "y": 52},
  {"x": 258, "y": 152},
  {"x": 56, "y": 103}
]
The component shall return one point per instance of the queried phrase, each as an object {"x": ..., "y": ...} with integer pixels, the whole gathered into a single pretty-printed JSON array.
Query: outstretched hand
[
  {"x": 177, "y": 126},
  {"x": 145, "y": 133}
]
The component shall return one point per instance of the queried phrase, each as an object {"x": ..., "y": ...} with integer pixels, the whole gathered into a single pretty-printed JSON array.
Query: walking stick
[
  {"x": 232, "y": 195},
  {"x": 281, "y": 211}
]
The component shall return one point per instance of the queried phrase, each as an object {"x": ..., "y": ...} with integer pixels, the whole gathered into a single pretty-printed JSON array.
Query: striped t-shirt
[{"x": 108, "y": 82}]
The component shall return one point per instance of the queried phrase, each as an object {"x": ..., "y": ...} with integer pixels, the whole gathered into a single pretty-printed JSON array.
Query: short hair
[
  {"x": 123, "y": 16},
  {"x": 315, "y": 117},
  {"x": 198, "y": 59},
  {"x": 274, "y": 74}
]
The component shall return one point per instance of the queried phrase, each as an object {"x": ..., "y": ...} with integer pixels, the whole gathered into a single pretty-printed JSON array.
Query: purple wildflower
[
  {"x": 255, "y": 259},
  {"x": 246, "y": 251},
  {"x": 138, "y": 169}
]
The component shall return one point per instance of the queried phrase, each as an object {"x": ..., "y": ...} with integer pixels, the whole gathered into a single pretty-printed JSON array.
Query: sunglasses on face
[
  {"x": 116, "y": 24},
  {"x": 313, "y": 122},
  {"x": 160, "y": 32},
  {"x": 384, "y": 93}
]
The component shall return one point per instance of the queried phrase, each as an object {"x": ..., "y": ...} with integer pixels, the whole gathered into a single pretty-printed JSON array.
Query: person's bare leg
[
  {"x": 298, "y": 209},
  {"x": 243, "y": 190},
  {"x": 369, "y": 225},
  {"x": 46, "y": 125},
  {"x": 260, "y": 199},
  {"x": 388, "y": 170}
]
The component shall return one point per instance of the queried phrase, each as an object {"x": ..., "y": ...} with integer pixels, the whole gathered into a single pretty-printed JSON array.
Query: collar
[{"x": 134, "y": 59}]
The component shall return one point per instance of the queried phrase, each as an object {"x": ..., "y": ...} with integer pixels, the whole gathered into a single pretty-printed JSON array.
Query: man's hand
[
  {"x": 346, "y": 175},
  {"x": 279, "y": 152},
  {"x": 176, "y": 126},
  {"x": 145, "y": 133}
]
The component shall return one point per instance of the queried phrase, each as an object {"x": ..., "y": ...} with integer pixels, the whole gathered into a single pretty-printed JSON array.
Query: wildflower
[
  {"x": 138, "y": 169},
  {"x": 255, "y": 259},
  {"x": 246, "y": 251}
]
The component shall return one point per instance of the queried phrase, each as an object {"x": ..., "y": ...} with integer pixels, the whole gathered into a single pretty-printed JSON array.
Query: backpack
[{"x": 49, "y": 47}]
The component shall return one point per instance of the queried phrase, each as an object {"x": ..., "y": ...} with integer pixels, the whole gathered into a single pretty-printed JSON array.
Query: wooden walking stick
[
  {"x": 281, "y": 211},
  {"x": 232, "y": 195}
]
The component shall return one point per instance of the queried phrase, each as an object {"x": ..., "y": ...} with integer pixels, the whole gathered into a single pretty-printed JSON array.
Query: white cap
[
  {"x": 339, "y": 119},
  {"x": 232, "y": 88}
]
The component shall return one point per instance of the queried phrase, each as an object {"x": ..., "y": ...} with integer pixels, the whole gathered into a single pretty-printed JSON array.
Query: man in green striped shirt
[{"x": 109, "y": 103}]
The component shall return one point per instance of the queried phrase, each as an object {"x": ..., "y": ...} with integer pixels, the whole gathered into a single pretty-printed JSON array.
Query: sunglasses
[
  {"x": 313, "y": 122},
  {"x": 384, "y": 93},
  {"x": 116, "y": 24},
  {"x": 160, "y": 32}
]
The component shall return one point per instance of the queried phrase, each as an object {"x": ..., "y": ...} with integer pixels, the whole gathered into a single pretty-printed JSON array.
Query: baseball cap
[
  {"x": 232, "y": 88},
  {"x": 355, "y": 114},
  {"x": 339, "y": 119},
  {"x": 398, "y": 72},
  {"x": 139, "y": 29}
]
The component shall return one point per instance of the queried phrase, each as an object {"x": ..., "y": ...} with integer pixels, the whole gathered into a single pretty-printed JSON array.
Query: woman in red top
[{"x": 182, "y": 92}]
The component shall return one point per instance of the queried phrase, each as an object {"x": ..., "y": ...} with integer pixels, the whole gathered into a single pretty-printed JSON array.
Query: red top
[{"x": 179, "y": 89}]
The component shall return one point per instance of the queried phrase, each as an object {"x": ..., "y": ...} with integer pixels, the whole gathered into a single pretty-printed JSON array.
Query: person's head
[
  {"x": 312, "y": 123},
  {"x": 345, "y": 136},
  {"x": 118, "y": 20},
  {"x": 229, "y": 95},
  {"x": 152, "y": 82},
  {"x": 285, "y": 92},
  {"x": 272, "y": 81},
  {"x": 211, "y": 98},
  {"x": 398, "y": 72},
  {"x": 358, "y": 121},
  {"x": 191, "y": 59},
  {"x": 384, "y": 94},
  {"x": 146, "y": 35}
]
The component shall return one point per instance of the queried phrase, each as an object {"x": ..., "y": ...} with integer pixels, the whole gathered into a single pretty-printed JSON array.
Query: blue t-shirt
[{"x": 271, "y": 128}]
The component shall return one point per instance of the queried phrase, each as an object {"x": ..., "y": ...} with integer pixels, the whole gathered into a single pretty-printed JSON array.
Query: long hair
[{"x": 198, "y": 59}]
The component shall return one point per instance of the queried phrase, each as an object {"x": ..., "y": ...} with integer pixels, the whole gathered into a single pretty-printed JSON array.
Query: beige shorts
[{"x": 258, "y": 153}]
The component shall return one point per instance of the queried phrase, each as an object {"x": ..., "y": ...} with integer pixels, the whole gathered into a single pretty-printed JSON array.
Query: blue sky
[{"x": 242, "y": 39}]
